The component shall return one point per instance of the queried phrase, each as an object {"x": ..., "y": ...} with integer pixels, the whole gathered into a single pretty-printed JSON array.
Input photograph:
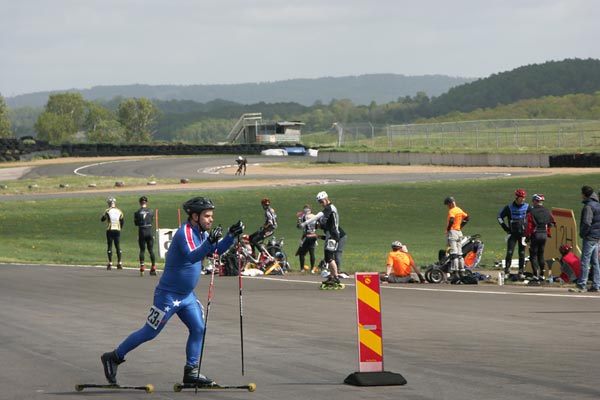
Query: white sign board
[{"x": 165, "y": 236}]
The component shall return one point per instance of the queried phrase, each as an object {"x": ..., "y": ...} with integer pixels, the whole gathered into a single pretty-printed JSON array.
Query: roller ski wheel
[
  {"x": 178, "y": 387},
  {"x": 336, "y": 286},
  {"x": 146, "y": 388}
]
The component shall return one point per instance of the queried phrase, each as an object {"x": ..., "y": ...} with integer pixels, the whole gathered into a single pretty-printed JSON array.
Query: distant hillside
[
  {"x": 553, "y": 78},
  {"x": 362, "y": 90}
]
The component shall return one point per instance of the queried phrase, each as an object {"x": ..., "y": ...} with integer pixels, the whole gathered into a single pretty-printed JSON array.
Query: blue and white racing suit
[{"x": 175, "y": 291}]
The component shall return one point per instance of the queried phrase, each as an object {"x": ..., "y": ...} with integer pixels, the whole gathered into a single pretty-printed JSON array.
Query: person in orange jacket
[
  {"x": 400, "y": 264},
  {"x": 456, "y": 219}
]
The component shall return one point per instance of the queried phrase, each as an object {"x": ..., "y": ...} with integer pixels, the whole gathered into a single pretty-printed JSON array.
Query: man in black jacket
[{"x": 589, "y": 230}]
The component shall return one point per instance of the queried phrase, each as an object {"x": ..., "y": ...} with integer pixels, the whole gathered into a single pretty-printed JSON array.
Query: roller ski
[
  {"x": 192, "y": 379},
  {"x": 332, "y": 283},
  {"x": 178, "y": 387},
  {"x": 110, "y": 364},
  {"x": 80, "y": 387}
]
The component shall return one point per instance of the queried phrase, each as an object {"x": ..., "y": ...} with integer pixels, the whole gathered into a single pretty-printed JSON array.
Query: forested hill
[
  {"x": 363, "y": 89},
  {"x": 553, "y": 78}
]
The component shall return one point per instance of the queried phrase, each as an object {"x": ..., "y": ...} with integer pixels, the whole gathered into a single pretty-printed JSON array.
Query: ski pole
[
  {"x": 210, "y": 294},
  {"x": 240, "y": 267}
]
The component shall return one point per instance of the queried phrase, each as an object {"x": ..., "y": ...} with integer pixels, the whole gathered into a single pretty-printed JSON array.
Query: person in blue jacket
[
  {"x": 174, "y": 294},
  {"x": 513, "y": 220}
]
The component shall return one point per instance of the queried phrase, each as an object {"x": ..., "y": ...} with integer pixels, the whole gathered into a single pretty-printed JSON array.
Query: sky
[{"x": 63, "y": 44}]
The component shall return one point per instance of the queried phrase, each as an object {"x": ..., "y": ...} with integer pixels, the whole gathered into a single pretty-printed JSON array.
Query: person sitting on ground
[
  {"x": 570, "y": 264},
  {"x": 400, "y": 264}
]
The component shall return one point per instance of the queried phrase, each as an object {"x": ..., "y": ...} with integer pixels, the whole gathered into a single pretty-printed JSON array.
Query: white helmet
[
  {"x": 397, "y": 244},
  {"x": 111, "y": 200},
  {"x": 321, "y": 196}
]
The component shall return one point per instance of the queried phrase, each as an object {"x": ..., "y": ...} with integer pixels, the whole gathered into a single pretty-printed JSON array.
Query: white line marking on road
[
  {"x": 446, "y": 290},
  {"x": 76, "y": 170}
]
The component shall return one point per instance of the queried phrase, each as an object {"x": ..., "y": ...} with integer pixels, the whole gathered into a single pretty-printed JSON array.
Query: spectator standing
[
  {"x": 143, "y": 219},
  {"x": 589, "y": 231},
  {"x": 268, "y": 227},
  {"x": 329, "y": 221},
  {"x": 539, "y": 223},
  {"x": 308, "y": 241},
  {"x": 114, "y": 223},
  {"x": 456, "y": 219},
  {"x": 512, "y": 218}
]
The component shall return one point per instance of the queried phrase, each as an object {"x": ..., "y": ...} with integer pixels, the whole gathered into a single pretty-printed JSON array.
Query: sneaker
[
  {"x": 109, "y": 266},
  {"x": 578, "y": 289},
  {"x": 110, "y": 362},
  {"x": 192, "y": 375},
  {"x": 153, "y": 270},
  {"x": 592, "y": 289},
  {"x": 315, "y": 270}
]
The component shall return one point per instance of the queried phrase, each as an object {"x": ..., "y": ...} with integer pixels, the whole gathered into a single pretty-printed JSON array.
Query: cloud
[{"x": 62, "y": 44}]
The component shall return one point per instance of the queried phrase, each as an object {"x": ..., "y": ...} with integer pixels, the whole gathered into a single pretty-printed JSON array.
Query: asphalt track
[
  {"x": 449, "y": 342},
  {"x": 208, "y": 167}
]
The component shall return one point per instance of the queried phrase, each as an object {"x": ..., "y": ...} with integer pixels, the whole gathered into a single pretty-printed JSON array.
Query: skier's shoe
[
  {"x": 109, "y": 266},
  {"x": 119, "y": 265},
  {"x": 110, "y": 362},
  {"x": 153, "y": 270},
  {"x": 578, "y": 289},
  {"x": 192, "y": 376},
  {"x": 142, "y": 269}
]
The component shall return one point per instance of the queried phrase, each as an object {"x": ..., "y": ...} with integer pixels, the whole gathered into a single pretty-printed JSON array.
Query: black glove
[
  {"x": 215, "y": 234},
  {"x": 237, "y": 228}
]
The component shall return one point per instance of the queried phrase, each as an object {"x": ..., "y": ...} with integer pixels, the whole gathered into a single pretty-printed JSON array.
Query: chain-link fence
[{"x": 505, "y": 135}]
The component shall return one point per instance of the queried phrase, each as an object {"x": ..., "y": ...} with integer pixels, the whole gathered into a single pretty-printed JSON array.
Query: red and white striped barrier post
[{"x": 370, "y": 335}]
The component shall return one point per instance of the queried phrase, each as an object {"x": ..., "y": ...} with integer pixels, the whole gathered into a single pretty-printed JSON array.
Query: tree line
[{"x": 565, "y": 89}]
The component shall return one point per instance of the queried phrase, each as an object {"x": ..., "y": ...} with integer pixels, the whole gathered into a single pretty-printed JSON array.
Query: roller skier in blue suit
[{"x": 174, "y": 294}]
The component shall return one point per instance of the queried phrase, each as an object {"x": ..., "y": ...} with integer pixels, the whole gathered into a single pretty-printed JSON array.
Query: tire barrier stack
[
  {"x": 26, "y": 148},
  {"x": 580, "y": 160}
]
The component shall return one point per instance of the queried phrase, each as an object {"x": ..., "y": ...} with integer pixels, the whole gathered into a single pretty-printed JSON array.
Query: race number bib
[{"x": 155, "y": 316}]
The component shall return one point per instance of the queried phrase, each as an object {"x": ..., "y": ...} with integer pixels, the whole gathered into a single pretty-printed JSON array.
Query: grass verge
[{"x": 69, "y": 231}]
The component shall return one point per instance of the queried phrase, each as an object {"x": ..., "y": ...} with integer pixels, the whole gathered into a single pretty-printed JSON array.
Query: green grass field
[{"x": 69, "y": 231}]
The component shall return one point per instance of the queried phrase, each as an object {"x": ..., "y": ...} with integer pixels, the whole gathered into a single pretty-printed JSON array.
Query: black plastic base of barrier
[{"x": 384, "y": 378}]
